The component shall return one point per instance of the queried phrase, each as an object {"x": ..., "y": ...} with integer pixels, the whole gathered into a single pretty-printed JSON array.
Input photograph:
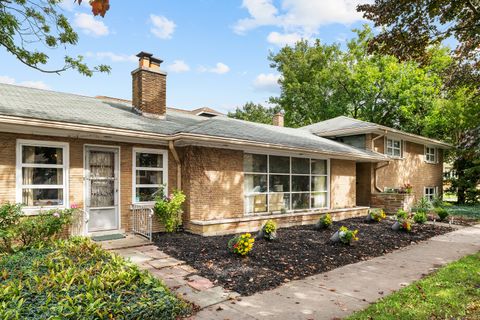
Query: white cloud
[
  {"x": 162, "y": 27},
  {"x": 90, "y": 26},
  {"x": 300, "y": 18},
  {"x": 267, "y": 82},
  {"x": 262, "y": 12},
  {"x": 114, "y": 57},
  {"x": 220, "y": 68},
  {"x": 283, "y": 39},
  {"x": 31, "y": 84},
  {"x": 178, "y": 66}
]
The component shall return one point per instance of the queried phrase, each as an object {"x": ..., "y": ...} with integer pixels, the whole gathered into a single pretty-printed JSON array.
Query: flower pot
[
  {"x": 396, "y": 226},
  {"x": 335, "y": 237}
]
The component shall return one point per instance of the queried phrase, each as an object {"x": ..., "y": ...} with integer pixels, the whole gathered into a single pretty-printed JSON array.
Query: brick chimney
[
  {"x": 278, "y": 119},
  {"x": 149, "y": 87}
]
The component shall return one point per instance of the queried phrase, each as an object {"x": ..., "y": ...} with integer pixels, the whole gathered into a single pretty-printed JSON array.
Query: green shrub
[
  {"x": 76, "y": 279},
  {"x": 346, "y": 235},
  {"x": 9, "y": 217},
  {"x": 169, "y": 210},
  {"x": 43, "y": 227},
  {"x": 437, "y": 202},
  {"x": 241, "y": 244},
  {"x": 324, "y": 222},
  {"x": 442, "y": 213},
  {"x": 377, "y": 215},
  {"x": 423, "y": 205},
  {"x": 406, "y": 224},
  {"x": 402, "y": 214},
  {"x": 420, "y": 217},
  {"x": 269, "y": 230}
]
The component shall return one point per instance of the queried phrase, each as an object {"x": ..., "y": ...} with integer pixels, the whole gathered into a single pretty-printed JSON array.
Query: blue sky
[{"x": 215, "y": 51}]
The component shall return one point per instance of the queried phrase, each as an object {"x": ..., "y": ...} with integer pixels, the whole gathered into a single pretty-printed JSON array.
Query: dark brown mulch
[{"x": 298, "y": 252}]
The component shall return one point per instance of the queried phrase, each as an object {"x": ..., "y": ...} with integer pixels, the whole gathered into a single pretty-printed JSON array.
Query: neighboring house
[{"x": 106, "y": 154}]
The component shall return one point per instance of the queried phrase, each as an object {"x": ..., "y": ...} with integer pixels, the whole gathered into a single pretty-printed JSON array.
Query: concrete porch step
[{"x": 130, "y": 241}]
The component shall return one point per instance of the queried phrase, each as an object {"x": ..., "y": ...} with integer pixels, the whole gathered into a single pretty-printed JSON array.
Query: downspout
[
  {"x": 171, "y": 146},
  {"x": 375, "y": 181}
]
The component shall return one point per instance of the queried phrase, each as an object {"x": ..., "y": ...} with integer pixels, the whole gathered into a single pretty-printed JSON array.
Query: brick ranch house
[{"x": 108, "y": 156}]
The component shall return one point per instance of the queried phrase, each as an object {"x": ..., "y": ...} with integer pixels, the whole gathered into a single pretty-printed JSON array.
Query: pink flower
[
  {"x": 56, "y": 215},
  {"x": 74, "y": 206}
]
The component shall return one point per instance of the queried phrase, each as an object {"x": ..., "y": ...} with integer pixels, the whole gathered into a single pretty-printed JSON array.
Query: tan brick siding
[
  {"x": 411, "y": 169},
  {"x": 76, "y": 184},
  {"x": 212, "y": 179},
  {"x": 342, "y": 184}
]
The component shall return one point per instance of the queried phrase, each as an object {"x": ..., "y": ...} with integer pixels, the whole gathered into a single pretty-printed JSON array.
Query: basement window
[
  {"x": 430, "y": 193},
  {"x": 42, "y": 174},
  {"x": 278, "y": 184},
  {"x": 150, "y": 174}
]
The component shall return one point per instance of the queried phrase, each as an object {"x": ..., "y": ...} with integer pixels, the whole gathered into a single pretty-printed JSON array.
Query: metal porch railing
[{"x": 142, "y": 220}]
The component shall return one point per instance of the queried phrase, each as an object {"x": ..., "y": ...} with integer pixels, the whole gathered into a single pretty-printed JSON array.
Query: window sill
[
  {"x": 35, "y": 211},
  {"x": 275, "y": 215},
  {"x": 395, "y": 157},
  {"x": 431, "y": 162}
]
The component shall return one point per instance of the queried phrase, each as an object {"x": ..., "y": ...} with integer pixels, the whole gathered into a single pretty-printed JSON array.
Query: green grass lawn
[
  {"x": 469, "y": 211},
  {"x": 76, "y": 279},
  {"x": 453, "y": 292}
]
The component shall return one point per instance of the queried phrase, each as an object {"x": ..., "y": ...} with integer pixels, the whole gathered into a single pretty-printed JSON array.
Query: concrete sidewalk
[{"x": 340, "y": 292}]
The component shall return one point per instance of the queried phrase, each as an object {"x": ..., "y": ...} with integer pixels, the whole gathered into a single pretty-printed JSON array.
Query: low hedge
[{"x": 76, "y": 279}]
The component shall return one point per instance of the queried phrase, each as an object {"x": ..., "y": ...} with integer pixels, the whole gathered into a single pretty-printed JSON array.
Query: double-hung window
[
  {"x": 394, "y": 147},
  {"x": 42, "y": 173},
  {"x": 430, "y": 193},
  {"x": 430, "y": 154},
  {"x": 150, "y": 174},
  {"x": 278, "y": 183}
]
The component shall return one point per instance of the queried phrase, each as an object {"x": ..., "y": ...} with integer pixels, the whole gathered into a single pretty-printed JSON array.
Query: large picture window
[
  {"x": 42, "y": 173},
  {"x": 149, "y": 173},
  {"x": 278, "y": 183}
]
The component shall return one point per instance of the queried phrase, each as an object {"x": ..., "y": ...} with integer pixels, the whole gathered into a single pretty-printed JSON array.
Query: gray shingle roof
[
  {"x": 337, "y": 124},
  {"x": 342, "y": 126},
  {"x": 76, "y": 109}
]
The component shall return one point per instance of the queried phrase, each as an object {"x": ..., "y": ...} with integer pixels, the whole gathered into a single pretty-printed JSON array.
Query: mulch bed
[{"x": 298, "y": 252}]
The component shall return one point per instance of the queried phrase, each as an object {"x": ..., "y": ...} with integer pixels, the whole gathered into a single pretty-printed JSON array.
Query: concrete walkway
[{"x": 340, "y": 292}]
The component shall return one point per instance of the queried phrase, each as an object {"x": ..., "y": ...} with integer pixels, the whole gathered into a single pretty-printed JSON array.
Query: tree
[
  {"x": 25, "y": 24},
  {"x": 467, "y": 167},
  {"x": 411, "y": 27},
  {"x": 321, "y": 81},
  {"x": 255, "y": 113}
]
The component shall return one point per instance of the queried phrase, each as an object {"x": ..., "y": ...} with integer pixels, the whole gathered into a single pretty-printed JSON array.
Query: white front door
[{"x": 101, "y": 188}]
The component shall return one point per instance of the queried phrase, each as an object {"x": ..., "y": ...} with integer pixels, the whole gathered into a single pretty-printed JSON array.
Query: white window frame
[
  {"x": 19, "y": 172},
  {"x": 392, "y": 155},
  {"x": 164, "y": 171},
  {"x": 428, "y": 195},
  {"x": 429, "y": 154},
  {"x": 290, "y": 192}
]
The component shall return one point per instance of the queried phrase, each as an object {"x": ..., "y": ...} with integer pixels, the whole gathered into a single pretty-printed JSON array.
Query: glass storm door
[{"x": 101, "y": 183}]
